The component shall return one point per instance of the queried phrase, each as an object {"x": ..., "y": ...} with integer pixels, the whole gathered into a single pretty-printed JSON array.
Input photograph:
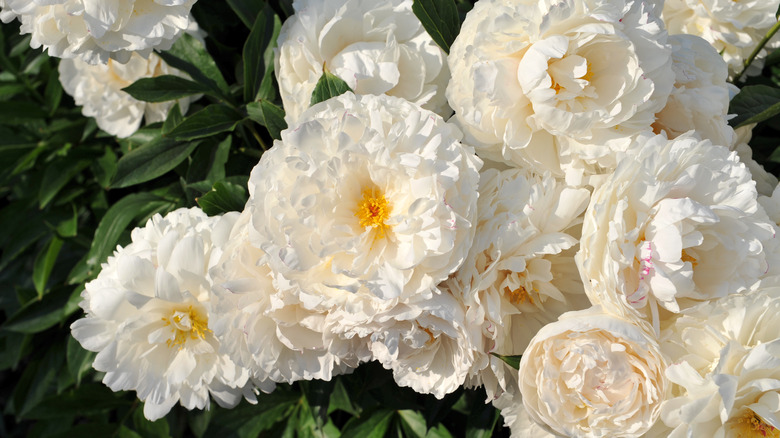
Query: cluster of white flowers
[{"x": 587, "y": 207}]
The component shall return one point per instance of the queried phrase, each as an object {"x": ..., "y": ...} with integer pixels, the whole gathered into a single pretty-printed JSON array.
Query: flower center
[
  {"x": 751, "y": 425},
  {"x": 186, "y": 324},
  {"x": 373, "y": 210},
  {"x": 689, "y": 258},
  {"x": 519, "y": 295}
]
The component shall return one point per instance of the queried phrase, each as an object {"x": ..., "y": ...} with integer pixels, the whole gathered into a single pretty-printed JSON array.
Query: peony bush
[{"x": 426, "y": 218}]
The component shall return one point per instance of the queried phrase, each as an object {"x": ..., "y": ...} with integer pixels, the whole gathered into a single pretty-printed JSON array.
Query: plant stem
[{"x": 758, "y": 48}]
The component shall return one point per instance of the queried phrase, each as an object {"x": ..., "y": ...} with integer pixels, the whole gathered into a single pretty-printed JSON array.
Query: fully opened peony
[
  {"x": 520, "y": 273},
  {"x": 665, "y": 230},
  {"x": 700, "y": 97},
  {"x": 265, "y": 329},
  {"x": 364, "y": 207},
  {"x": 726, "y": 367},
  {"x": 98, "y": 89},
  {"x": 591, "y": 374},
  {"x": 559, "y": 85},
  {"x": 148, "y": 312},
  {"x": 376, "y": 46},
  {"x": 99, "y": 30},
  {"x": 733, "y": 27}
]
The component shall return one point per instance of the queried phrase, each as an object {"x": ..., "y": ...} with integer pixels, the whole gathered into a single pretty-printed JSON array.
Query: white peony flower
[
  {"x": 733, "y": 27},
  {"x": 592, "y": 374},
  {"x": 375, "y": 46},
  {"x": 701, "y": 95},
  {"x": 99, "y": 30},
  {"x": 667, "y": 227},
  {"x": 726, "y": 356},
  {"x": 365, "y": 206},
  {"x": 264, "y": 329},
  {"x": 148, "y": 311},
  {"x": 559, "y": 86},
  {"x": 520, "y": 272},
  {"x": 426, "y": 341},
  {"x": 98, "y": 89}
]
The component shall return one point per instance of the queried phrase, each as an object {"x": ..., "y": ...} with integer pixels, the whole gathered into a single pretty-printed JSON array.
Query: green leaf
[
  {"x": 53, "y": 93},
  {"x": 38, "y": 315},
  {"x": 164, "y": 88},
  {"x": 269, "y": 115},
  {"x": 69, "y": 227},
  {"x": 173, "y": 119},
  {"x": 512, "y": 361},
  {"x": 104, "y": 168},
  {"x": 44, "y": 263},
  {"x": 246, "y": 10},
  {"x": 149, "y": 161},
  {"x": 440, "y": 19},
  {"x": 45, "y": 376},
  {"x": 158, "y": 428},
  {"x": 190, "y": 55},
  {"x": 265, "y": 419},
  {"x": 124, "y": 432},
  {"x": 317, "y": 393},
  {"x": 339, "y": 399},
  {"x": 260, "y": 38},
  {"x": 412, "y": 423},
  {"x": 56, "y": 176},
  {"x": 368, "y": 425},
  {"x": 223, "y": 197},
  {"x": 209, "y": 121},
  {"x": 14, "y": 348},
  {"x": 89, "y": 430},
  {"x": 328, "y": 86},
  {"x": 482, "y": 419},
  {"x": 199, "y": 421},
  {"x": 116, "y": 220},
  {"x": 12, "y": 112},
  {"x": 87, "y": 399},
  {"x": 754, "y": 104},
  {"x": 78, "y": 359}
]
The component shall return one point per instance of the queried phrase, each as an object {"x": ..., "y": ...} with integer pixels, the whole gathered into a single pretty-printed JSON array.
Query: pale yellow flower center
[
  {"x": 519, "y": 295},
  {"x": 373, "y": 210},
  {"x": 751, "y": 425},
  {"x": 186, "y": 324}
]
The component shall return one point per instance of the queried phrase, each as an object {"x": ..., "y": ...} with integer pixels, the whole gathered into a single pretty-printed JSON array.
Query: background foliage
[{"x": 71, "y": 193}]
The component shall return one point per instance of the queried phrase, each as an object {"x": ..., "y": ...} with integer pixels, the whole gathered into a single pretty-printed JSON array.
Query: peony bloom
[
  {"x": 592, "y": 374},
  {"x": 726, "y": 369},
  {"x": 520, "y": 272},
  {"x": 96, "y": 30},
  {"x": 98, "y": 89},
  {"x": 264, "y": 329},
  {"x": 559, "y": 86},
  {"x": 365, "y": 207},
  {"x": 734, "y": 28},
  {"x": 701, "y": 95},
  {"x": 148, "y": 312},
  {"x": 425, "y": 341},
  {"x": 376, "y": 46},
  {"x": 666, "y": 228}
]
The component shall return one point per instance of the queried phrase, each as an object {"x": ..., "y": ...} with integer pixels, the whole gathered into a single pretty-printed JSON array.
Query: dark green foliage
[{"x": 71, "y": 193}]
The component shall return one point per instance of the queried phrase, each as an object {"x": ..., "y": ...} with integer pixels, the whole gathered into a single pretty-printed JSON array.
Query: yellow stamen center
[
  {"x": 689, "y": 258},
  {"x": 519, "y": 295},
  {"x": 373, "y": 210},
  {"x": 751, "y": 425},
  {"x": 186, "y": 324}
]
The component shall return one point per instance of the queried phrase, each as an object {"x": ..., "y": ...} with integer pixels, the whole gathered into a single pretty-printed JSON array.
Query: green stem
[
  {"x": 257, "y": 136},
  {"x": 758, "y": 48}
]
